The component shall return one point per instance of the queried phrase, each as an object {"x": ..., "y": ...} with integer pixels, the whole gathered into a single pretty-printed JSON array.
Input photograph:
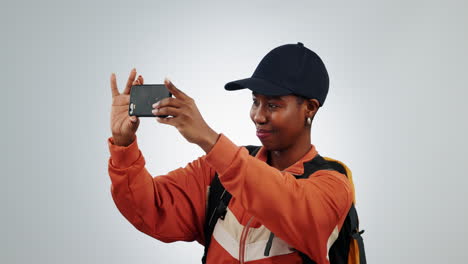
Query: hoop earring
[{"x": 309, "y": 121}]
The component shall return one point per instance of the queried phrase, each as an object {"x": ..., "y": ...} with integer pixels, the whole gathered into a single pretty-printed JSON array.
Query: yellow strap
[{"x": 353, "y": 255}]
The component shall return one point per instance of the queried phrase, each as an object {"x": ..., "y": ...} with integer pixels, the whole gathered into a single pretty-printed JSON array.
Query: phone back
[{"x": 142, "y": 97}]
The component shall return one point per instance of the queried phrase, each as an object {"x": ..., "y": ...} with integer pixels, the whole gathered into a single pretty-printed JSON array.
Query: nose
[{"x": 259, "y": 115}]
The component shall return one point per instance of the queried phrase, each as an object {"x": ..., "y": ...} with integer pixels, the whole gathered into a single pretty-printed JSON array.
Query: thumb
[{"x": 133, "y": 119}]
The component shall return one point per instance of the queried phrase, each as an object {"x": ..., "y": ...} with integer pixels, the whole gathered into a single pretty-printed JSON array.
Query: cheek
[
  {"x": 252, "y": 114},
  {"x": 292, "y": 121}
]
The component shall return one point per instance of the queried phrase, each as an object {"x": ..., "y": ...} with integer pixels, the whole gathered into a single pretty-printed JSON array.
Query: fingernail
[
  {"x": 155, "y": 105},
  {"x": 167, "y": 79},
  {"x": 154, "y": 111},
  {"x": 134, "y": 69}
]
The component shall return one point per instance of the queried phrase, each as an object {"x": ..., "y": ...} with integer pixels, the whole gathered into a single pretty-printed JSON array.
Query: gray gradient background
[{"x": 396, "y": 114}]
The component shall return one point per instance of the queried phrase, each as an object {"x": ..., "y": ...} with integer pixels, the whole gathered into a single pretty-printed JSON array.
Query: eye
[
  {"x": 272, "y": 105},
  {"x": 254, "y": 101}
]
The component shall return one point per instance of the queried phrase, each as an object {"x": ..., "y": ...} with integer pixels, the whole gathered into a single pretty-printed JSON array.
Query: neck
[{"x": 282, "y": 159}]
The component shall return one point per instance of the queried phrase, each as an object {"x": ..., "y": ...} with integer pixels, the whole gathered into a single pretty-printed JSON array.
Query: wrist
[
  {"x": 122, "y": 141},
  {"x": 208, "y": 142}
]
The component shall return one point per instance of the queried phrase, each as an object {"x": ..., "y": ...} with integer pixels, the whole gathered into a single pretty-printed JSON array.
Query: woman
[{"x": 288, "y": 87}]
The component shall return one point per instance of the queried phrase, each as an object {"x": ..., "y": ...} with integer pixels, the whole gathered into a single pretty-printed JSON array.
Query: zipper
[{"x": 243, "y": 238}]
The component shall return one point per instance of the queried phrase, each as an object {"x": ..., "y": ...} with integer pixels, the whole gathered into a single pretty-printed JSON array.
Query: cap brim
[{"x": 257, "y": 85}]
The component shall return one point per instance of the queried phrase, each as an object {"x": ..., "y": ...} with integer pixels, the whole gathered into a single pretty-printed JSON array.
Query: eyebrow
[{"x": 277, "y": 97}]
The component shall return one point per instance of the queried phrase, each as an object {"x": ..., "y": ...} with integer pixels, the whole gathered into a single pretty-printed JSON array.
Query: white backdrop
[{"x": 395, "y": 114}]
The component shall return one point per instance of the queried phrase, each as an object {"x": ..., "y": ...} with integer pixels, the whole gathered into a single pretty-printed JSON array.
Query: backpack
[{"x": 348, "y": 247}]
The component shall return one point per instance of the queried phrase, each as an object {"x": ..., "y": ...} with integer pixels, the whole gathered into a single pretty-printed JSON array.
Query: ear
[{"x": 312, "y": 107}]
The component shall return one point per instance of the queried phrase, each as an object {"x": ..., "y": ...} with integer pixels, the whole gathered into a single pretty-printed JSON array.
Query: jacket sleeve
[
  {"x": 168, "y": 207},
  {"x": 305, "y": 213}
]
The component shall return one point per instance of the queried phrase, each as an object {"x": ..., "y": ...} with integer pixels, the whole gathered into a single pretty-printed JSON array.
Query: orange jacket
[{"x": 305, "y": 215}]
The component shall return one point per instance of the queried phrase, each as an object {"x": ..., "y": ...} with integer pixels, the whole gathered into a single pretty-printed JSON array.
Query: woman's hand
[
  {"x": 123, "y": 126},
  {"x": 185, "y": 117}
]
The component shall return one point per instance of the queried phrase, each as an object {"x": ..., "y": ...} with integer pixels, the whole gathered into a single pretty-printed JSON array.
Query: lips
[{"x": 262, "y": 133}]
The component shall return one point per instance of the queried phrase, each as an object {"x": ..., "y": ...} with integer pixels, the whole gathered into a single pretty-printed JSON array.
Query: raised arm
[{"x": 168, "y": 207}]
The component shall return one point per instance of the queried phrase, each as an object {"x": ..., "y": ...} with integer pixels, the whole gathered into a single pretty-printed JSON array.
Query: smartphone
[{"x": 142, "y": 97}]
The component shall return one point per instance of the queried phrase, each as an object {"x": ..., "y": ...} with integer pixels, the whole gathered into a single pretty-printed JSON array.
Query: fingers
[
  {"x": 174, "y": 90},
  {"x": 170, "y": 111},
  {"x": 138, "y": 81},
  {"x": 130, "y": 80},
  {"x": 168, "y": 121},
  {"x": 113, "y": 83},
  {"x": 168, "y": 102}
]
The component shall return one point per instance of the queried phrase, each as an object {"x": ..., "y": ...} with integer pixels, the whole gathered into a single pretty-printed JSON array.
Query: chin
[{"x": 270, "y": 146}]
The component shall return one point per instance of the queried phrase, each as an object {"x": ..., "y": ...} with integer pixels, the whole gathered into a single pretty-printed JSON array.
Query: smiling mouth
[{"x": 263, "y": 133}]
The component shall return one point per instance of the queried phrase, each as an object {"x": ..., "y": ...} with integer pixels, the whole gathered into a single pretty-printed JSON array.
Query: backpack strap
[
  {"x": 218, "y": 200},
  {"x": 317, "y": 163},
  {"x": 344, "y": 248},
  {"x": 320, "y": 163},
  {"x": 356, "y": 233}
]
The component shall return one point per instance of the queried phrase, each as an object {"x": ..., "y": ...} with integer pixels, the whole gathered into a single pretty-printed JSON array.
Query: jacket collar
[{"x": 296, "y": 168}]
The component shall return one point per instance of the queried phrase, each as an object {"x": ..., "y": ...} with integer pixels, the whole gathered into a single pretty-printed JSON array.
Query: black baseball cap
[{"x": 288, "y": 69}]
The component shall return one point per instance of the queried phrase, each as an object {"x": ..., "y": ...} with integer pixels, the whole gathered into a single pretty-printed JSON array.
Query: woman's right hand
[{"x": 123, "y": 126}]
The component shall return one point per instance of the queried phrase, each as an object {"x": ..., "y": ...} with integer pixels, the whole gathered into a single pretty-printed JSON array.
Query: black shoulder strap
[
  {"x": 319, "y": 163},
  {"x": 218, "y": 200},
  {"x": 339, "y": 252},
  {"x": 316, "y": 164},
  {"x": 356, "y": 233}
]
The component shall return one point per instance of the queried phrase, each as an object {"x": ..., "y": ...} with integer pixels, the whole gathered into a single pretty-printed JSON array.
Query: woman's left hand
[{"x": 185, "y": 117}]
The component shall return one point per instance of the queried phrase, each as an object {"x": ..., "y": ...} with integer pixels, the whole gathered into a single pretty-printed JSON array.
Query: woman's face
[{"x": 280, "y": 120}]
